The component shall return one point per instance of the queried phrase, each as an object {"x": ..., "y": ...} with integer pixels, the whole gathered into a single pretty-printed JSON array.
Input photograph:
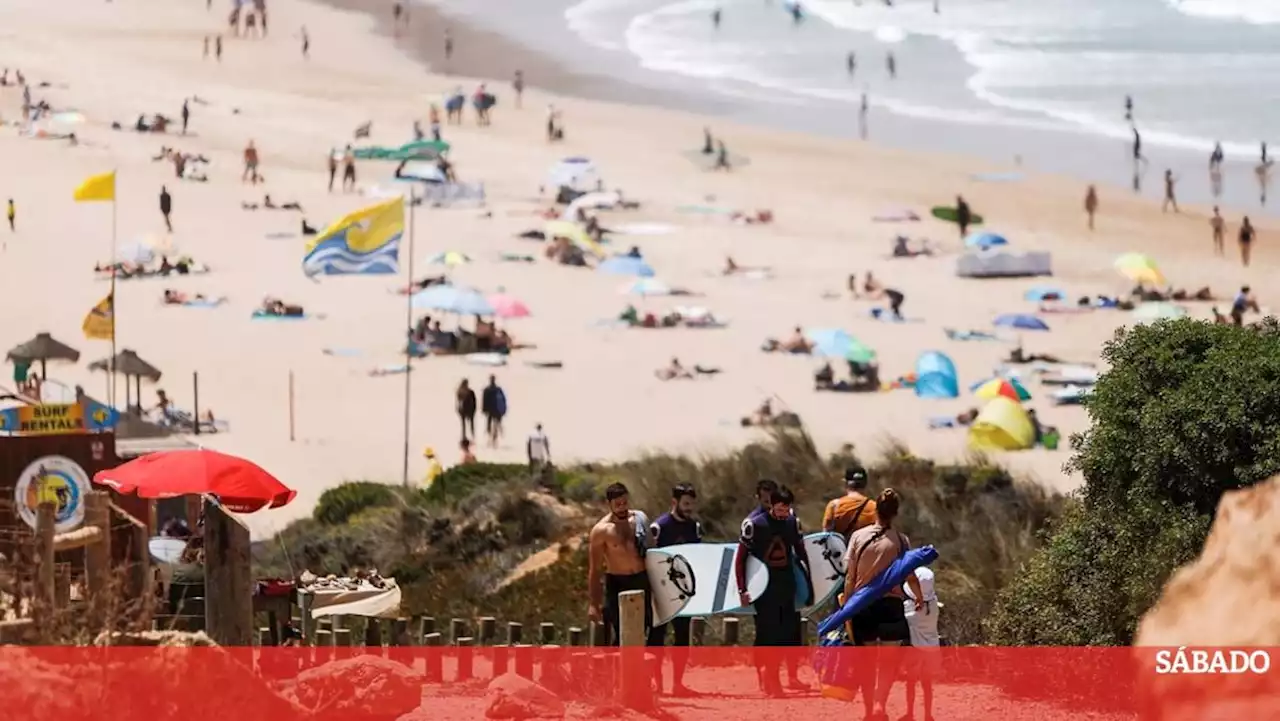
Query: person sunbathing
[
  {"x": 762, "y": 416},
  {"x": 673, "y": 371},
  {"x": 731, "y": 267},
  {"x": 1018, "y": 356},
  {"x": 824, "y": 378},
  {"x": 276, "y": 307},
  {"x": 1204, "y": 294},
  {"x": 797, "y": 343},
  {"x": 902, "y": 248},
  {"x": 968, "y": 334}
]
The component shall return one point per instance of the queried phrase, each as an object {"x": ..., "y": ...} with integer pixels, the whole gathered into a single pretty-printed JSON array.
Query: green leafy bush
[
  {"x": 1188, "y": 411},
  {"x": 338, "y": 504}
]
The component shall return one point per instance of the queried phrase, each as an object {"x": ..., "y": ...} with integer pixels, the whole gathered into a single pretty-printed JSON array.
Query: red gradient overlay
[{"x": 355, "y": 684}]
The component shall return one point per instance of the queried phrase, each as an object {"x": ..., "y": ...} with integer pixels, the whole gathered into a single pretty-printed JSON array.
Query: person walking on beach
[
  {"x": 538, "y": 449},
  {"x": 306, "y": 43},
  {"x": 1219, "y": 226},
  {"x": 1091, "y": 204},
  {"x": 871, "y": 550},
  {"x": 891, "y": 64},
  {"x": 250, "y": 164},
  {"x": 863, "y": 107},
  {"x": 722, "y": 156},
  {"x": 1245, "y": 239},
  {"x": 851, "y": 63},
  {"x": 465, "y": 405},
  {"x": 206, "y": 48},
  {"x": 923, "y": 660},
  {"x": 11, "y": 212},
  {"x": 518, "y": 86},
  {"x": 774, "y": 539},
  {"x": 853, "y": 510},
  {"x": 715, "y": 18},
  {"x": 333, "y": 167},
  {"x": 1128, "y": 109},
  {"x": 186, "y": 115},
  {"x": 493, "y": 404},
  {"x": 1263, "y": 174},
  {"x": 166, "y": 207},
  {"x": 1264, "y": 153},
  {"x": 217, "y": 48},
  {"x": 1169, "y": 197},
  {"x": 448, "y": 45},
  {"x": 348, "y": 170},
  {"x": 1216, "y": 159},
  {"x": 964, "y": 216},
  {"x": 676, "y": 527},
  {"x": 615, "y": 562}
]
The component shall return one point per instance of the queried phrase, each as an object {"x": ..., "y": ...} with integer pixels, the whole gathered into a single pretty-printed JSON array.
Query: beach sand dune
[{"x": 115, "y": 61}]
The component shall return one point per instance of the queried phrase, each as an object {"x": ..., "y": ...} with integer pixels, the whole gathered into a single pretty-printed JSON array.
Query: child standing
[{"x": 925, "y": 656}]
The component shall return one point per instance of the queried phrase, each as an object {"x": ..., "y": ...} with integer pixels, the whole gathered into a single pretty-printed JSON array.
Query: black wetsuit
[{"x": 774, "y": 543}]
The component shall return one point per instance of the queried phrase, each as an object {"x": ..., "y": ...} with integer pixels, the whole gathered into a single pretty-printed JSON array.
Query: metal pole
[
  {"x": 408, "y": 345},
  {"x": 111, "y": 364},
  {"x": 195, "y": 402},
  {"x": 291, "y": 435}
]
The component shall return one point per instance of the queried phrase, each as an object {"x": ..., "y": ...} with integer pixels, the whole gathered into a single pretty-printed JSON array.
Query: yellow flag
[
  {"x": 100, "y": 323},
  {"x": 98, "y": 187}
]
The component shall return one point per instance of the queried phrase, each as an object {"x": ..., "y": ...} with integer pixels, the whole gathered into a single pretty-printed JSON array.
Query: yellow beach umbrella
[
  {"x": 576, "y": 233},
  {"x": 1140, "y": 268}
]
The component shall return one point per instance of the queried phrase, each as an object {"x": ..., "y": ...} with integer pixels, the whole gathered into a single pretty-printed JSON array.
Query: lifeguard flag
[
  {"x": 96, "y": 188},
  {"x": 100, "y": 323}
]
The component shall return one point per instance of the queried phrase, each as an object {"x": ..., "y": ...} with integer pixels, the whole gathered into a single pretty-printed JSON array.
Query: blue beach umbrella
[
  {"x": 626, "y": 265},
  {"x": 1041, "y": 293},
  {"x": 1021, "y": 321},
  {"x": 983, "y": 240},
  {"x": 452, "y": 299}
]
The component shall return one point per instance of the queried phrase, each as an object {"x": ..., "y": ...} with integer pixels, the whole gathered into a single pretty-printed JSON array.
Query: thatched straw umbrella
[
  {"x": 128, "y": 364},
  {"x": 43, "y": 348}
]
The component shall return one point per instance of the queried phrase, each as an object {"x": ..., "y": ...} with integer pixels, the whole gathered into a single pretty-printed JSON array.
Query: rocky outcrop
[
  {"x": 1225, "y": 598},
  {"x": 512, "y": 696},
  {"x": 365, "y": 687}
]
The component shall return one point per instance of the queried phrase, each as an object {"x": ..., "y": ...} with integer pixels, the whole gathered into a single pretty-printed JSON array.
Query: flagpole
[
  {"x": 111, "y": 364},
  {"x": 408, "y": 345}
]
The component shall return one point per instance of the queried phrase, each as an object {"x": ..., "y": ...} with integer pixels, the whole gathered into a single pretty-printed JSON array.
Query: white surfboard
[
  {"x": 671, "y": 582},
  {"x": 714, "y": 588}
]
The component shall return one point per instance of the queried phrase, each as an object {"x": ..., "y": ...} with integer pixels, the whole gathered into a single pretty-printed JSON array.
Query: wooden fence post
[
  {"x": 415, "y": 629},
  {"x": 228, "y": 604},
  {"x": 373, "y": 635},
  {"x": 465, "y": 671},
  {"x": 730, "y": 631},
  {"x": 637, "y": 690},
  {"x": 697, "y": 631},
  {"x": 434, "y": 668},
  {"x": 515, "y": 634},
  {"x": 501, "y": 660},
  {"x": 426, "y": 627},
  {"x": 97, "y": 558},
  {"x": 598, "y": 634},
  {"x": 575, "y": 636},
  {"x": 488, "y": 630},
  {"x": 46, "y": 572},
  {"x": 457, "y": 629},
  {"x": 524, "y": 660},
  {"x": 546, "y": 633}
]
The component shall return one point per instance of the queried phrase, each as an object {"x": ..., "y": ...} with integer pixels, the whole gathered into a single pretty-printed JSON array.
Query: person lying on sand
[
  {"x": 673, "y": 371},
  {"x": 759, "y": 217},
  {"x": 174, "y": 297},
  {"x": 964, "y": 419},
  {"x": 423, "y": 284},
  {"x": 277, "y": 307},
  {"x": 797, "y": 343},
  {"x": 731, "y": 267},
  {"x": 1018, "y": 356},
  {"x": 902, "y": 248},
  {"x": 269, "y": 204},
  {"x": 765, "y": 417},
  {"x": 969, "y": 334},
  {"x": 1105, "y": 301}
]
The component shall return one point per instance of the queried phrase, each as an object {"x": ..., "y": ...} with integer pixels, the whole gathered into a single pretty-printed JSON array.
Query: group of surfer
[{"x": 770, "y": 533}]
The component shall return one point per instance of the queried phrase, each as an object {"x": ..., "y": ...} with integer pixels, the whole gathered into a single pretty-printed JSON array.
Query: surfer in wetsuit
[
  {"x": 775, "y": 540},
  {"x": 675, "y": 527},
  {"x": 715, "y": 18},
  {"x": 964, "y": 216},
  {"x": 617, "y": 542},
  {"x": 708, "y": 144}
]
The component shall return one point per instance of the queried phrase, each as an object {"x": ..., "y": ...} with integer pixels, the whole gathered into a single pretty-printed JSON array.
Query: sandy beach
[{"x": 115, "y": 61}]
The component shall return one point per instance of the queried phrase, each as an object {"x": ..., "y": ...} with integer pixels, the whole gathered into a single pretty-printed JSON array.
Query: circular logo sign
[{"x": 53, "y": 478}]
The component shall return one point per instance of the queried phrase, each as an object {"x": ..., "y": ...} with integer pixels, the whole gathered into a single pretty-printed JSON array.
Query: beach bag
[{"x": 835, "y": 667}]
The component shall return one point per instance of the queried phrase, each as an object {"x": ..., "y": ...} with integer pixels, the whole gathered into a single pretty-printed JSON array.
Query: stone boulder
[
  {"x": 512, "y": 696},
  {"x": 1226, "y": 597},
  {"x": 365, "y": 687}
]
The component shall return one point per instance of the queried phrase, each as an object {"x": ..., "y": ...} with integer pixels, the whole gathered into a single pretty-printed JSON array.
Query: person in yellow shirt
[
  {"x": 12, "y": 214},
  {"x": 434, "y": 469},
  {"x": 853, "y": 510}
]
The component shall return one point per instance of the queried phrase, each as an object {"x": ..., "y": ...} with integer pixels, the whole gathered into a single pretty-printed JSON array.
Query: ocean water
[{"x": 1198, "y": 71}]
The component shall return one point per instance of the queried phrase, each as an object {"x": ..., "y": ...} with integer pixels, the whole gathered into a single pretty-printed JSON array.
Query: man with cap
[{"x": 853, "y": 510}]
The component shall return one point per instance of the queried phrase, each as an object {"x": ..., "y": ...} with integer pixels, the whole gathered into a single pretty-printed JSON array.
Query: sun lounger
[
  {"x": 204, "y": 302},
  {"x": 1070, "y": 396}
]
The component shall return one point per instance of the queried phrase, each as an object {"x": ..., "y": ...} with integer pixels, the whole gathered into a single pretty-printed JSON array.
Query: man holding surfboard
[
  {"x": 617, "y": 546},
  {"x": 677, "y": 526},
  {"x": 774, "y": 538}
]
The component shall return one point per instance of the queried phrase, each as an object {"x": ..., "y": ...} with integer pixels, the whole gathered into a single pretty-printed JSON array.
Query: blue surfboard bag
[{"x": 832, "y": 666}]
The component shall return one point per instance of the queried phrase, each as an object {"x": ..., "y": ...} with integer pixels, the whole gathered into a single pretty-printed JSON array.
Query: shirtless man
[{"x": 618, "y": 542}]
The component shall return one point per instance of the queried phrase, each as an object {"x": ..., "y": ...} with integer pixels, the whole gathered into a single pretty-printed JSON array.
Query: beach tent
[
  {"x": 983, "y": 240},
  {"x": 997, "y": 263},
  {"x": 1002, "y": 425},
  {"x": 936, "y": 376},
  {"x": 575, "y": 173},
  {"x": 1020, "y": 321},
  {"x": 422, "y": 171},
  {"x": 417, "y": 150}
]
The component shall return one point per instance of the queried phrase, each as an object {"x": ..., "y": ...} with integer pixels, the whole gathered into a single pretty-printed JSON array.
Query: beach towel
[
  {"x": 1065, "y": 309},
  {"x": 544, "y": 364},
  {"x": 486, "y": 359},
  {"x": 516, "y": 258},
  {"x": 937, "y": 422},
  {"x": 390, "y": 370},
  {"x": 204, "y": 302},
  {"x": 263, "y": 315},
  {"x": 964, "y": 335},
  {"x": 645, "y": 229},
  {"x": 342, "y": 352}
]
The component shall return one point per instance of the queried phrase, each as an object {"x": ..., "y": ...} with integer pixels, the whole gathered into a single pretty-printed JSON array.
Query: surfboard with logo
[
  {"x": 671, "y": 582},
  {"x": 826, "y": 563},
  {"x": 713, "y": 588}
]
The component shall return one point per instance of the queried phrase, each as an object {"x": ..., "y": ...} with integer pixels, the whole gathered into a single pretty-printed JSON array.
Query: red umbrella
[{"x": 239, "y": 485}]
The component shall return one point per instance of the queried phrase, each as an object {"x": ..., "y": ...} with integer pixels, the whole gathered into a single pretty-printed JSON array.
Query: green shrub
[
  {"x": 1188, "y": 411},
  {"x": 460, "y": 481},
  {"x": 338, "y": 504}
]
